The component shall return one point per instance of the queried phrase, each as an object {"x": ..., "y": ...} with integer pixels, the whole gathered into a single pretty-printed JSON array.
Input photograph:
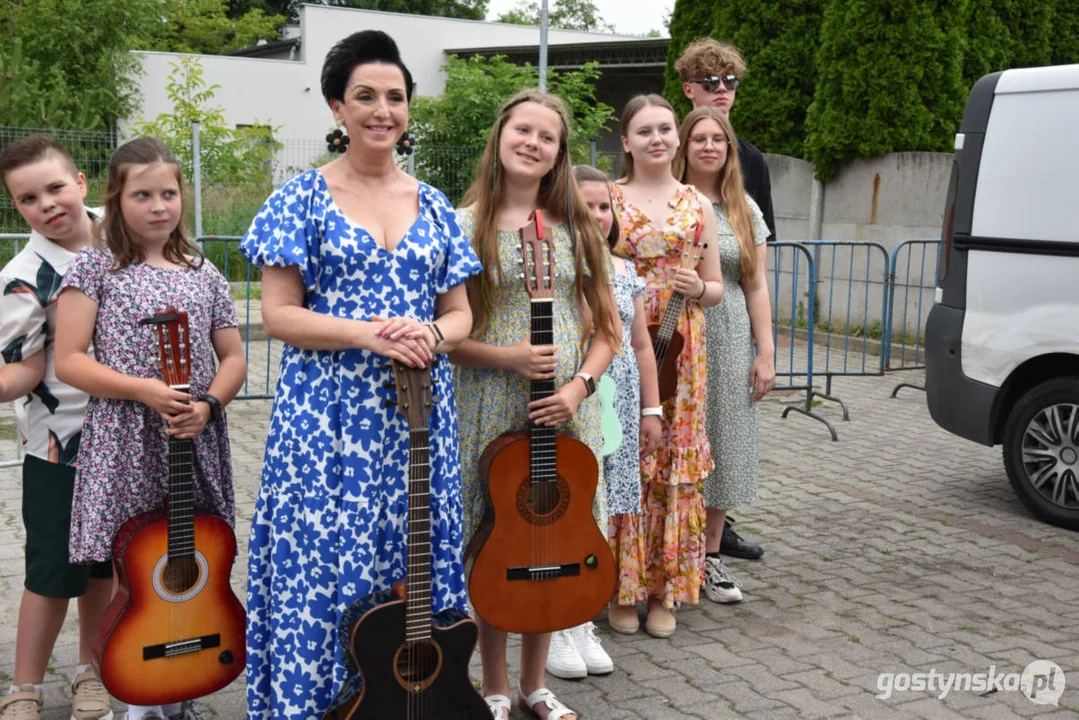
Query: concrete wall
[{"x": 881, "y": 201}]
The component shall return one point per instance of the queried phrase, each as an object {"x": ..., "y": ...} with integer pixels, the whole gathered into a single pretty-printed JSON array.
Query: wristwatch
[
  {"x": 214, "y": 403},
  {"x": 589, "y": 383}
]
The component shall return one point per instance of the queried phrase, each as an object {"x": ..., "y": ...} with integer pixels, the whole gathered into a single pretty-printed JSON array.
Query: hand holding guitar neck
[{"x": 667, "y": 342}]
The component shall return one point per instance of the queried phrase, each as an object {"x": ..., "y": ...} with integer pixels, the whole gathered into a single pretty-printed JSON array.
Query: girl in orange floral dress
[{"x": 661, "y": 551}]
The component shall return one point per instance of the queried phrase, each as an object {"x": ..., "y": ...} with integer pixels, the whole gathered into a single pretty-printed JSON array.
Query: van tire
[{"x": 1059, "y": 391}]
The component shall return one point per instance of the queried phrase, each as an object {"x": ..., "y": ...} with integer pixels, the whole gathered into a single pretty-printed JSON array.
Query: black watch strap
[{"x": 214, "y": 403}]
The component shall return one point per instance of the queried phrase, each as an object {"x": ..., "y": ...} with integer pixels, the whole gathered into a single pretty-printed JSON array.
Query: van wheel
[{"x": 1041, "y": 451}]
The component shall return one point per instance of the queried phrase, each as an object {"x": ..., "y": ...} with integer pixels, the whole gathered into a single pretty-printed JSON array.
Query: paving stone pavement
[{"x": 898, "y": 549}]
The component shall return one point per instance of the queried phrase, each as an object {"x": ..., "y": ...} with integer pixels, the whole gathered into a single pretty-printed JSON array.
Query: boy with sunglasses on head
[{"x": 711, "y": 72}]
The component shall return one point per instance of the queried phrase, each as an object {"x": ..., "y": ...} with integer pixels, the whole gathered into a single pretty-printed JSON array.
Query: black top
[{"x": 757, "y": 181}]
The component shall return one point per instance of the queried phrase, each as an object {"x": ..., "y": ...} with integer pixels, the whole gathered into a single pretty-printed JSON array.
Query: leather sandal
[
  {"x": 499, "y": 704},
  {"x": 554, "y": 706}
]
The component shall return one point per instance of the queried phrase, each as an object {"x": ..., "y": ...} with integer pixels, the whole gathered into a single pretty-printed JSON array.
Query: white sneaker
[
  {"x": 563, "y": 660},
  {"x": 719, "y": 585},
  {"x": 588, "y": 645}
]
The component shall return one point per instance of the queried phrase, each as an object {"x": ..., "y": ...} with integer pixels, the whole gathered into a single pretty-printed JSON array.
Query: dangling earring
[
  {"x": 406, "y": 144},
  {"x": 337, "y": 141}
]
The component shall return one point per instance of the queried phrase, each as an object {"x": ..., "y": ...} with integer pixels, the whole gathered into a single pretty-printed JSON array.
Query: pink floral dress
[
  {"x": 123, "y": 457},
  {"x": 661, "y": 551}
]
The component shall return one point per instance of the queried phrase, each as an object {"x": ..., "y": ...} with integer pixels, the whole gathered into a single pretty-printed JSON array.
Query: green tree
[
  {"x": 228, "y": 156},
  {"x": 690, "y": 20},
  {"x": 76, "y": 70},
  {"x": 889, "y": 78},
  {"x": 564, "y": 14},
  {"x": 779, "y": 40},
  {"x": 205, "y": 26},
  {"x": 452, "y": 129},
  {"x": 1066, "y": 33}
]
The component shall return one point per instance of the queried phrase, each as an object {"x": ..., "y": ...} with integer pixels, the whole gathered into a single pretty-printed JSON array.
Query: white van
[{"x": 1002, "y": 340}]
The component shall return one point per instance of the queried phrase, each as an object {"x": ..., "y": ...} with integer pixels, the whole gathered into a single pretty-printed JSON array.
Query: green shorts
[{"x": 47, "y": 489}]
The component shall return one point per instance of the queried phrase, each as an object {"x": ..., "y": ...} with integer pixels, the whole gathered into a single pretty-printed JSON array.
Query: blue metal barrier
[
  {"x": 911, "y": 283},
  {"x": 793, "y": 361},
  {"x": 224, "y": 252},
  {"x": 852, "y": 294}
]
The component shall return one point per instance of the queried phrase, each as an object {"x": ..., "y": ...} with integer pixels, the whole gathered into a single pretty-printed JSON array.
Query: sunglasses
[{"x": 711, "y": 83}]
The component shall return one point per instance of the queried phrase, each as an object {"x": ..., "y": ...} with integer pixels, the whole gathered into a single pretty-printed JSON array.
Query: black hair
[{"x": 361, "y": 48}]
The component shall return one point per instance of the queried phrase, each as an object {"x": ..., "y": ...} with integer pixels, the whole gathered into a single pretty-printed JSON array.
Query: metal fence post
[{"x": 196, "y": 164}]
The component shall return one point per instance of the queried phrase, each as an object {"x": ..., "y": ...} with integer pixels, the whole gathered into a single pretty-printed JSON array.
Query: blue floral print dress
[{"x": 329, "y": 526}]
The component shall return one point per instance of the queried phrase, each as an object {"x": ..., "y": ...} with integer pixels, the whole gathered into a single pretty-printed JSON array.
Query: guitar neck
[
  {"x": 181, "y": 505},
  {"x": 674, "y": 309},
  {"x": 418, "y": 602},
  {"x": 542, "y": 439}
]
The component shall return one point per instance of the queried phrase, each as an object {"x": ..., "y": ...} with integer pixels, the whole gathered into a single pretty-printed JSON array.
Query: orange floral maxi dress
[{"x": 660, "y": 552}]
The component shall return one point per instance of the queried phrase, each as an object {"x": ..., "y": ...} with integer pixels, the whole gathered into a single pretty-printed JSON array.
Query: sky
[{"x": 633, "y": 17}]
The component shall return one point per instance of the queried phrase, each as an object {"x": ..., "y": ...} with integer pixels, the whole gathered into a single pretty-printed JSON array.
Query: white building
[{"x": 278, "y": 84}]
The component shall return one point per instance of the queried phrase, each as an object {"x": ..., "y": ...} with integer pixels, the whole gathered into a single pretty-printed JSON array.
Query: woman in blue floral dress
[{"x": 362, "y": 265}]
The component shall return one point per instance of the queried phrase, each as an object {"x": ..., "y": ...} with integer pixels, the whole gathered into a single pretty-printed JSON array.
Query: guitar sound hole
[
  {"x": 545, "y": 497},
  {"x": 417, "y": 663},
  {"x": 180, "y": 575},
  {"x": 542, "y": 503}
]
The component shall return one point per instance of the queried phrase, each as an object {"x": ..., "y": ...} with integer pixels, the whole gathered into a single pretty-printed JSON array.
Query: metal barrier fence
[
  {"x": 851, "y": 309},
  {"x": 794, "y": 355},
  {"x": 912, "y": 294}
]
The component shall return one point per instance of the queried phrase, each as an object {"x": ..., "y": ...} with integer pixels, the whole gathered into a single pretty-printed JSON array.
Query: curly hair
[{"x": 707, "y": 56}]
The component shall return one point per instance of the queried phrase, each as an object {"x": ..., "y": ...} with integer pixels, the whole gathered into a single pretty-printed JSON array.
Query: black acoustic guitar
[{"x": 414, "y": 665}]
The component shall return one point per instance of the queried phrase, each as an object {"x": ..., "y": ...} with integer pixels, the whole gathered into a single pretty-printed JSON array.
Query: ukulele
[
  {"x": 175, "y": 630},
  {"x": 540, "y": 563},
  {"x": 667, "y": 342},
  {"x": 410, "y": 667}
]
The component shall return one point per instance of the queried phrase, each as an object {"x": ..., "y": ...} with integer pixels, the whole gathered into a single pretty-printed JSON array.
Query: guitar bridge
[
  {"x": 543, "y": 572},
  {"x": 181, "y": 647}
]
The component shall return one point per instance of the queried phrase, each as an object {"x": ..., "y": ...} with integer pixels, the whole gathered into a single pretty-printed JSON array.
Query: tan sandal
[
  {"x": 22, "y": 705},
  {"x": 91, "y": 700}
]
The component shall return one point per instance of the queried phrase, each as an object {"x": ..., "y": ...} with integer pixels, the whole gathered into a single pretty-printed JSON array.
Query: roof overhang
[{"x": 638, "y": 53}]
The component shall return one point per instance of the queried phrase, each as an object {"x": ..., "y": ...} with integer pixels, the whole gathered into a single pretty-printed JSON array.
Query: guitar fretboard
[
  {"x": 418, "y": 603},
  {"x": 542, "y": 439},
  {"x": 668, "y": 325},
  {"x": 181, "y": 505}
]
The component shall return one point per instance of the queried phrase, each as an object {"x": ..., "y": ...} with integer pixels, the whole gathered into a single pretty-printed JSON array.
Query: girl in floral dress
[
  {"x": 143, "y": 265},
  {"x": 633, "y": 371},
  {"x": 659, "y": 217},
  {"x": 526, "y": 166}
]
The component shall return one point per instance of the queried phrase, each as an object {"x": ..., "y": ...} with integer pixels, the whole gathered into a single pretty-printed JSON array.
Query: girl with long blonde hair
[
  {"x": 662, "y": 554},
  {"x": 526, "y": 166},
  {"x": 738, "y": 377}
]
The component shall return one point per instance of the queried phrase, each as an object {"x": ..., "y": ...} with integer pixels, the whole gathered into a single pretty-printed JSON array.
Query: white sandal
[
  {"x": 498, "y": 703},
  {"x": 554, "y": 705}
]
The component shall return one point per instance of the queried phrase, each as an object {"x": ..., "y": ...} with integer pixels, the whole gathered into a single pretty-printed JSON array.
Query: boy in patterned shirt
[{"x": 47, "y": 190}]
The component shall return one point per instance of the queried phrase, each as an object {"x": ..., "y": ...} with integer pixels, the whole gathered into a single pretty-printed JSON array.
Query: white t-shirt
[{"x": 50, "y": 417}]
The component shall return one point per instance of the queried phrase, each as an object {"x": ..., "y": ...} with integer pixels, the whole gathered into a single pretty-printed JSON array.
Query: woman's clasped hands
[{"x": 403, "y": 339}]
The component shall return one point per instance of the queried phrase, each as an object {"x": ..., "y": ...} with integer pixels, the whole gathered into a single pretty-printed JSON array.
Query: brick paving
[{"x": 897, "y": 549}]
